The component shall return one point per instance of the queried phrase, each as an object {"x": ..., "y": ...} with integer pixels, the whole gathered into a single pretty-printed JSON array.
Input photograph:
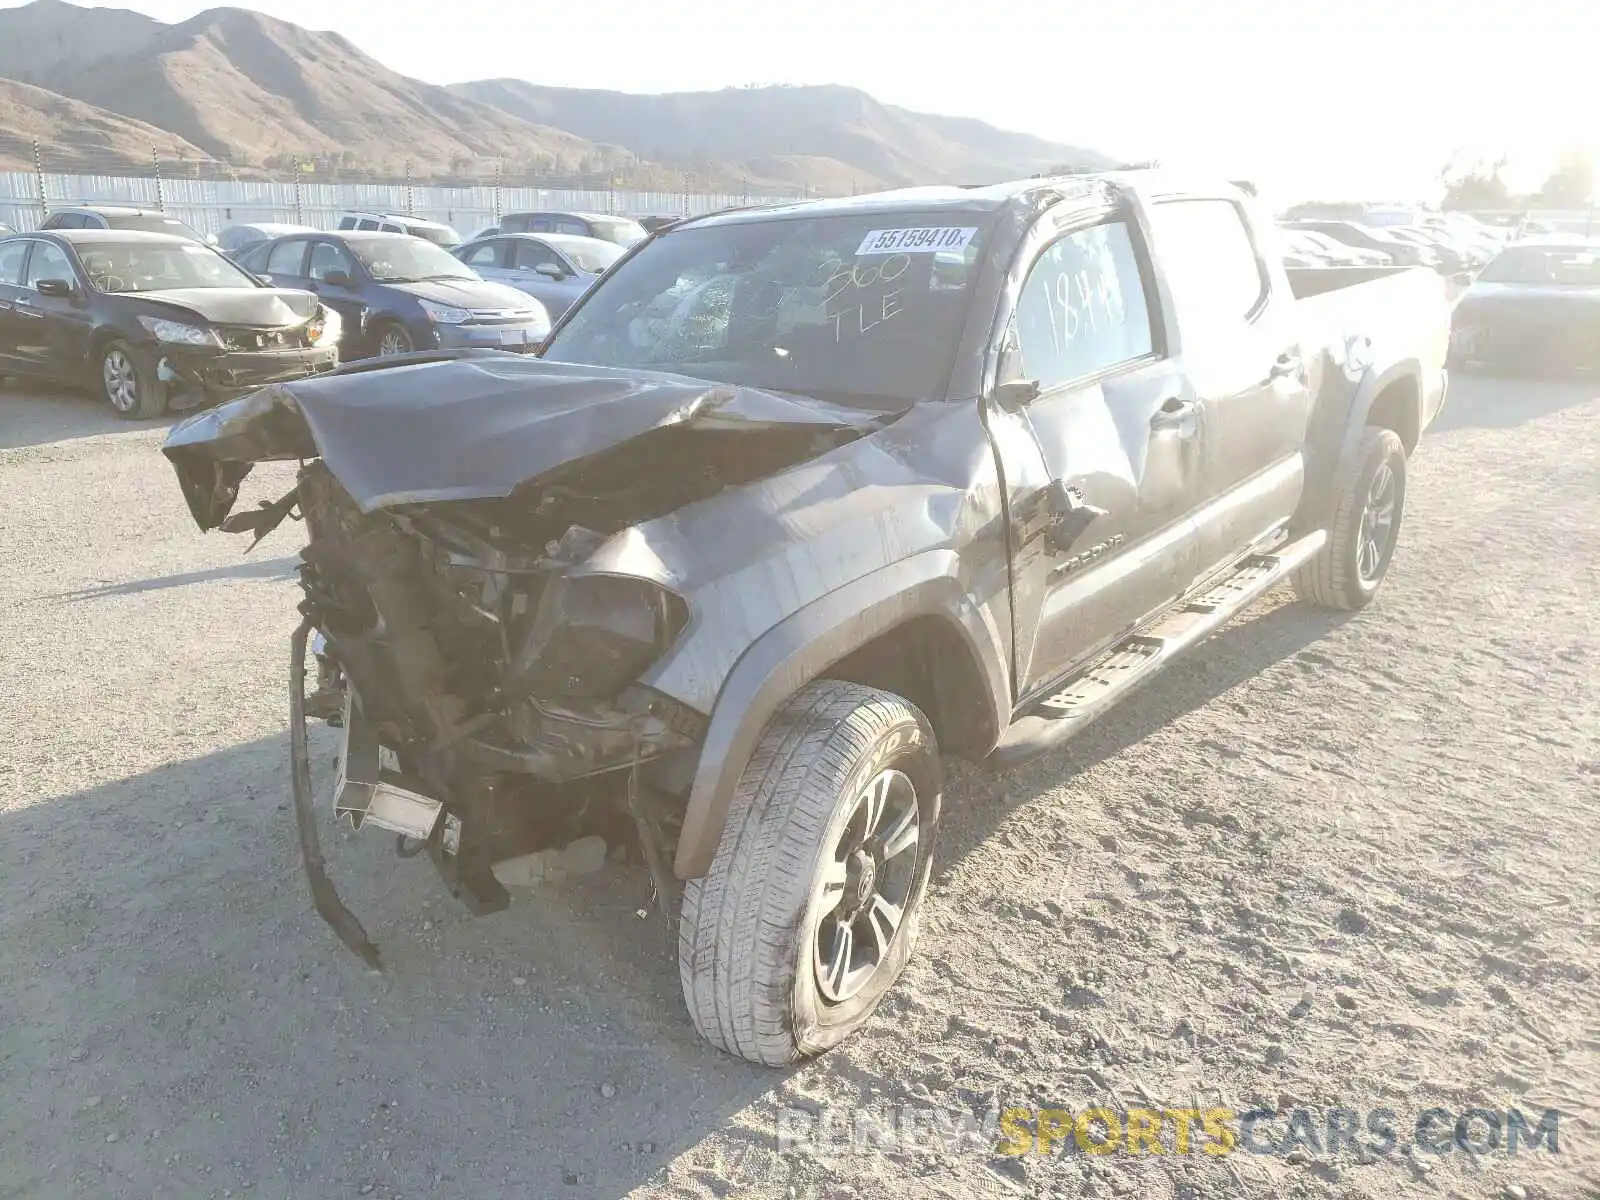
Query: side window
[
  {"x": 1082, "y": 309},
  {"x": 11, "y": 256},
  {"x": 387, "y": 228},
  {"x": 368, "y": 225},
  {"x": 287, "y": 258},
  {"x": 580, "y": 228},
  {"x": 534, "y": 254},
  {"x": 486, "y": 255},
  {"x": 326, "y": 257},
  {"x": 1210, "y": 262},
  {"x": 539, "y": 225},
  {"x": 49, "y": 261},
  {"x": 347, "y": 222}
]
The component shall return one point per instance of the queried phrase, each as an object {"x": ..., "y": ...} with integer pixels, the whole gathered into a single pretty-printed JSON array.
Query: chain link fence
[{"x": 209, "y": 195}]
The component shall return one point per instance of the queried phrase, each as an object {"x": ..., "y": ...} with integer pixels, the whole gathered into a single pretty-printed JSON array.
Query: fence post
[
  {"x": 38, "y": 174},
  {"x": 410, "y": 200},
  {"x": 161, "y": 198},
  {"x": 683, "y": 184},
  {"x": 499, "y": 171},
  {"x": 299, "y": 203}
]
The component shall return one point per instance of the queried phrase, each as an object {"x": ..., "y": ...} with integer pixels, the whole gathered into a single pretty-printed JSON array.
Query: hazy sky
[{"x": 1308, "y": 97}]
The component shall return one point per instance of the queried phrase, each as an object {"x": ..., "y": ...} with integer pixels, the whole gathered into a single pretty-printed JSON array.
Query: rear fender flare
[
  {"x": 801, "y": 648},
  {"x": 1344, "y": 436}
]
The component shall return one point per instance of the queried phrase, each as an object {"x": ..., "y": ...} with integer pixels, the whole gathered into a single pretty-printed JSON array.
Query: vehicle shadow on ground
[
  {"x": 44, "y": 413},
  {"x": 160, "y": 944},
  {"x": 981, "y": 798},
  {"x": 268, "y": 568},
  {"x": 1503, "y": 402}
]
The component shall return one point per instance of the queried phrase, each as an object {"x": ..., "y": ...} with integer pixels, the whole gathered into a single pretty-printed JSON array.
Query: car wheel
[
  {"x": 1369, "y": 499},
  {"x": 129, "y": 382},
  {"x": 811, "y": 907},
  {"x": 392, "y": 339}
]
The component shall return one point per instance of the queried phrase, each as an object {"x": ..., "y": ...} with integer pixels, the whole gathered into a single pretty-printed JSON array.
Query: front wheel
[
  {"x": 1369, "y": 500},
  {"x": 391, "y": 339},
  {"x": 811, "y": 907},
  {"x": 129, "y": 383}
]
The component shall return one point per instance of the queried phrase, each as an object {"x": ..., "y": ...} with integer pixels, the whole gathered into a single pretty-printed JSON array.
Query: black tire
[
  {"x": 753, "y": 930},
  {"x": 1349, "y": 571},
  {"x": 129, "y": 384},
  {"x": 387, "y": 334}
]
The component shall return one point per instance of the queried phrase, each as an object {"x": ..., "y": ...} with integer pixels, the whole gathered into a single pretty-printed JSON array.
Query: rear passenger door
[
  {"x": 1240, "y": 345},
  {"x": 1119, "y": 438}
]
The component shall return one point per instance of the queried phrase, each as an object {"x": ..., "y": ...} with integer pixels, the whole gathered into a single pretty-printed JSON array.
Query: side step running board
[{"x": 1094, "y": 690}]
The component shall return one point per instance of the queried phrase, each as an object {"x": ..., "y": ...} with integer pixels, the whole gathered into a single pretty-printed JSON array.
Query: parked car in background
[
  {"x": 436, "y": 232},
  {"x": 1401, "y": 252},
  {"x": 236, "y": 237},
  {"x": 1326, "y": 251},
  {"x": 398, "y": 293},
  {"x": 114, "y": 216},
  {"x": 624, "y": 231},
  {"x": 152, "y": 319},
  {"x": 1454, "y": 257},
  {"x": 5, "y": 229},
  {"x": 1535, "y": 307},
  {"x": 554, "y": 268},
  {"x": 655, "y": 224}
]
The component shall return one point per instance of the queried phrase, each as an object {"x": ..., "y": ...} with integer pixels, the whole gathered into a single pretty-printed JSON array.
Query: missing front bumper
[{"x": 198, "y": 379}]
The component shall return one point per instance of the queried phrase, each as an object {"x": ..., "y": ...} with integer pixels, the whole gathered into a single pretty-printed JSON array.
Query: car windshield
[
  {"x": 591, "y": 254},
  {"x": 623, "y": 232},
  {"x": 868, "y": 308},
  {"x": 133, "y": 267},
  {"x": 149, "y": 224},
  {"x": 401, "y": 259},
  {"x": 1575, "y": 267}
]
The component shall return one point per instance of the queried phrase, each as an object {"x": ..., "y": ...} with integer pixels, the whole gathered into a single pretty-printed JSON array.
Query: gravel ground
[{"x": 1326, "y": 862}]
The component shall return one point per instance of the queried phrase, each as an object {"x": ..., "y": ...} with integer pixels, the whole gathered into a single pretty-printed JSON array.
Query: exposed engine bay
[{"x": 491, "y": 684}]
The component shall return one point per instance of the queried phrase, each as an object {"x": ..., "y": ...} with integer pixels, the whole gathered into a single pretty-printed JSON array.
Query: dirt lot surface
[{"x": 1326, "y": 862}]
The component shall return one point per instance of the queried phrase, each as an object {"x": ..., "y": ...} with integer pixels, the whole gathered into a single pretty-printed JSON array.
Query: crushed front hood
[{"x": 474, "y": 426}]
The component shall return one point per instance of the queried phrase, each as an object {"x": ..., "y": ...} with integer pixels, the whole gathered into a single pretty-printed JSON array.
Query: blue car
[
  {"x": 553, "y": 268},
  {"x": 397, "y": 293}
]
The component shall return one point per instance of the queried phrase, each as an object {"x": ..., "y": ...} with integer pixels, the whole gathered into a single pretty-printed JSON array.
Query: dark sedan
[
  {"x": 554, "y": 268},
  {"x": 152, "y": 320},
  {"x": 398, "y": 293},
  {"x": 1535, "y": 308}
]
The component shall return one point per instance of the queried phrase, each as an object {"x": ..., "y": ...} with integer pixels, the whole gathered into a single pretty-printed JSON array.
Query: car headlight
[
  {"x": 324, "y": 328},
  {"x": 592, "y": 636},
  {"x": 179, "y": 333},
  {"x": 443, "y": 314}
]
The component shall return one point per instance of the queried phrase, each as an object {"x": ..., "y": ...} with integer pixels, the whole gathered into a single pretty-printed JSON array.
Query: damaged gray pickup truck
[{"x": 797, "y": 500}]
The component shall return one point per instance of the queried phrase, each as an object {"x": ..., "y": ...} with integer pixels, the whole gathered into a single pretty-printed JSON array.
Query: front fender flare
[{"x": 804, "y": 645}]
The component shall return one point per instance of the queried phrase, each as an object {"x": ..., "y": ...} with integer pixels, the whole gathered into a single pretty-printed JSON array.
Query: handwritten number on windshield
[{"x": 858, "y": 316}]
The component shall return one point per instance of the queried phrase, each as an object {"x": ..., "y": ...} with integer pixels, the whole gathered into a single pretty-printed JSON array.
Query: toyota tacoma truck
[{"x": 798, "y": 500}]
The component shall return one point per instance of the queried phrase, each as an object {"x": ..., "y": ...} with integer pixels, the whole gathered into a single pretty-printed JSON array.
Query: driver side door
[
  {"x": 328, "y": 257},
  {"x": 1104, "y": 536}
]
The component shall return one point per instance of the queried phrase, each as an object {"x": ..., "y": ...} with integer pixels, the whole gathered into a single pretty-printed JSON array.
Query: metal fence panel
[{"x": 210, "y": 205}]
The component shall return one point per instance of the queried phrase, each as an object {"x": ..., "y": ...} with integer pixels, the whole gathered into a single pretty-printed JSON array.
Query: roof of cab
[{"x": 1029, "y": 193}]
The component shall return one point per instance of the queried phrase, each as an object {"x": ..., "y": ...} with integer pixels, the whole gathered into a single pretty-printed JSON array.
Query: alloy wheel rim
[
  {"x": 122, "y": 382},
  {"x": 866, "y": 886},
  {"x": 1376, "y": 532},
  {"x": 393, "y": 342}
]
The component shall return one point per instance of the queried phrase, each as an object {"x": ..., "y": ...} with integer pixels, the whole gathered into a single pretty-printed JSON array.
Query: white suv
[{"x": 436, "y": 232}]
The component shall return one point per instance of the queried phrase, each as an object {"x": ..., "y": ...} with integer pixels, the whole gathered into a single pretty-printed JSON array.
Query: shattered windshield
[{"x": 857, "y": 306}]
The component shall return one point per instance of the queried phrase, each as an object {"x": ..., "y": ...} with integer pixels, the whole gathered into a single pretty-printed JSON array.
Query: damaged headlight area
[{"x": 179, "y": 333}]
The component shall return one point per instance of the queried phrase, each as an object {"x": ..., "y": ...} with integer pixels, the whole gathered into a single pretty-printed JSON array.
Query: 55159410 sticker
[{"x": 934, "y": 239}]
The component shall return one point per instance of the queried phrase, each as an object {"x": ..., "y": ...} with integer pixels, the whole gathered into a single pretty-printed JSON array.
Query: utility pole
[{"x": 161, "y": 199}]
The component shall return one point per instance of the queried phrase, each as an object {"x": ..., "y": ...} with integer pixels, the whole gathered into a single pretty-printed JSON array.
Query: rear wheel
[
  {"x": 811, "y": 907},
  {"x": 1369, "y": 499},
  {"x": 128, "y": 382}
]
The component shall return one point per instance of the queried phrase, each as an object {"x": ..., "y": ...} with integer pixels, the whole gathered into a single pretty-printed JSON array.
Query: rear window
[
  {"x": 149, "y": 223},
  {"x": 1204, "y": 247}
]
